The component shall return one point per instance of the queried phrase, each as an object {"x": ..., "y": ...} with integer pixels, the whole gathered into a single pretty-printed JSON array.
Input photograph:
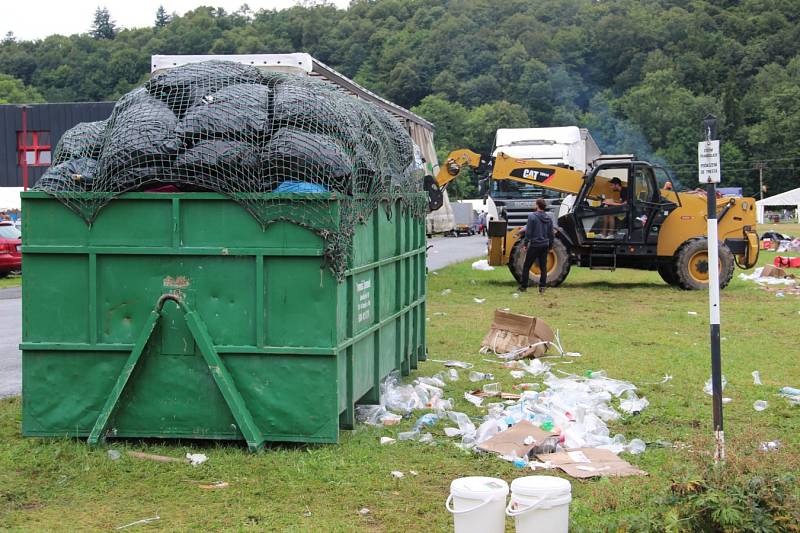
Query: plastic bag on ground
[{"x": 483, "y": 264}]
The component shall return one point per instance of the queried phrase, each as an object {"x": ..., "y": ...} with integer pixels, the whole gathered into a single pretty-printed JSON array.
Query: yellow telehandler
[{"x": 616, "y": 217}]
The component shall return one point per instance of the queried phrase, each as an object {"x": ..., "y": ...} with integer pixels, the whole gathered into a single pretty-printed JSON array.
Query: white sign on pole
[{"x": 708, "y": 161}]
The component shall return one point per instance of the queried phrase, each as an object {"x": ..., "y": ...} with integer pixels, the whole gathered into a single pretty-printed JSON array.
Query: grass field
[
  {"x": 10, "y": 281},
  {"x": 628, "y": 323}
]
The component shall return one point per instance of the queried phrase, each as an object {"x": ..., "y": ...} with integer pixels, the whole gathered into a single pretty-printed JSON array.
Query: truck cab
[{"x": 569, "y": 147}]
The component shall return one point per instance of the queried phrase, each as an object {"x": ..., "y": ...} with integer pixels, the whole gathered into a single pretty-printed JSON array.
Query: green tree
[
  {"x": 13, "y": 91},
  {"x": 162, "y": 18},
  {"x": 102, "y": 26}
]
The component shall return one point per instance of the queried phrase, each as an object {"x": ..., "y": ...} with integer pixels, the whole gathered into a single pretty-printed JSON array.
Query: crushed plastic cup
[
  {"x": 446, "y": 292},
  {"x": 387, "y": 440},
  {"x": 114, "y": 455},
  {"x": 636, "y": 446},
  {"x": 517, "y": 374},
  {"x": 769, "y": 446},
  {"x": 408, "y": 435},
  {"x": 474, "y": 400},
  {"x": 452, "y": 374},
  {"x": 479, "y": 300},
  {"x": 492, "y": 388},
  {"x": 756, "y": 377},
  {"x": 425, "y": 438},
  {"x": 707, "y": 388},
  {"x": 760, "y": 405}
]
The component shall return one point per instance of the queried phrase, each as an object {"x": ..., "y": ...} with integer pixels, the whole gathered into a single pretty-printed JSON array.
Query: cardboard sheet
[
  {"x": 512, "y": 440},
  {"x": 511, "y": 331},
  {"x": 583, "y": 463}
]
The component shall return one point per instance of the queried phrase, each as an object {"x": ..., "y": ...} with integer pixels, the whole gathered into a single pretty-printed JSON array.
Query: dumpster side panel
[{"x": 297, "y": 349}]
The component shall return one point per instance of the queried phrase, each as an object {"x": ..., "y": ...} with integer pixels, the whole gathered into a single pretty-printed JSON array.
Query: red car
[{"x": 10, "y": 248}]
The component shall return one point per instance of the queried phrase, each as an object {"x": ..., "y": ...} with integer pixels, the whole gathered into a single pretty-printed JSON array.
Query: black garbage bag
[
  {"x": 400, "y": 141},
  {"x": 74, "y": 175},
  {"x": 299, "y": 155},
  {"x": 219, "y": 165},
  {"x": 82, "y": 140},
  {"x": 183, "y": 87},
  {"x": 238, "y": 112},
  {"x": 315, "y": 110},
  {"x": 141, "y": 134}
]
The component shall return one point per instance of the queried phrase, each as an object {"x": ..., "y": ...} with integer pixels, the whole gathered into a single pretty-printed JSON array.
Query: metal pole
[
  {"x": 713, "y": 306},
  {"x": 761, "y": 180}
]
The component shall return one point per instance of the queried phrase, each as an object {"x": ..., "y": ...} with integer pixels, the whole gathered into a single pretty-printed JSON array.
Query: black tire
[
  {"x": 692, "y": 268},
  {"x": 555, "y": 276},
  {"x": 668, "y": 274}
]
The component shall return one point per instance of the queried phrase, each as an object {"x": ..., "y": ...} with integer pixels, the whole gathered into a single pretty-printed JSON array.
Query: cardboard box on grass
[
  {"x": 512, "y": 331},
  {"x": 584, "y": 463},
  {"x": 512, "y": 440}
]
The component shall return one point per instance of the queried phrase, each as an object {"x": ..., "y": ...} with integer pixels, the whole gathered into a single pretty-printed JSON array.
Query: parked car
[{"x": 10, "y": 249}]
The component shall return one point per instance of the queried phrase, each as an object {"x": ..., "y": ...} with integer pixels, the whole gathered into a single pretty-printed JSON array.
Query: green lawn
[
  {"x": 628, "y": 323},
  {"x": 10, "y": 281}
]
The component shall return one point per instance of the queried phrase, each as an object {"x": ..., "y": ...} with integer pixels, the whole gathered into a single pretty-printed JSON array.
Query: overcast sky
[{"x": 39, "y": 18}]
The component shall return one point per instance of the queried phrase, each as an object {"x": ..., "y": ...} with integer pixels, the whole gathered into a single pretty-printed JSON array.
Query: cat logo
[{"x": 539, "y": 175}]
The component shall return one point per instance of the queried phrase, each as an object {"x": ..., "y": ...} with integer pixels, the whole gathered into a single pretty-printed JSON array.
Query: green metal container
[{"x": 178, "y": 316}]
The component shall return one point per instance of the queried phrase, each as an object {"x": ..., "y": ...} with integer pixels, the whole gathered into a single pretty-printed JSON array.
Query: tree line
[{"x": 639, "y": 74}]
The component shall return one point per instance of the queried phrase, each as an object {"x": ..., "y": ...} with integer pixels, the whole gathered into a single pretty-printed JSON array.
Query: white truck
[{"x": 568, "y": 146}]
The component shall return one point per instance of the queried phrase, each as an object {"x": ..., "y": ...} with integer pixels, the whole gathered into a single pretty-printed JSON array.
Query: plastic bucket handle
[
  {"x": 511, "y": 512},
  {"x": 453, "y": 511}
]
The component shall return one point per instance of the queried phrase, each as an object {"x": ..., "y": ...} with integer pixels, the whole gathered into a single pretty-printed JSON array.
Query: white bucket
[
  {"x": 540, "y": 504},
  {"x": 478, "y": 504}
]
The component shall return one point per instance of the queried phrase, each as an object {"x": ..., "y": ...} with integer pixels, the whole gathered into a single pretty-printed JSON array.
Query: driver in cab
[{"x": 617, "y": 187}]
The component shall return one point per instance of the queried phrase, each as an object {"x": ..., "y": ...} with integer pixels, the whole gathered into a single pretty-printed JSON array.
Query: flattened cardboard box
[
  {"x": 583, "y": 463},
  {"x": 511, "y": 331},
  {"x": 512, "y": 440}
]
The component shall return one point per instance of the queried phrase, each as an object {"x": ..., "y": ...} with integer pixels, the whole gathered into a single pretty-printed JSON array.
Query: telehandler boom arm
[{"x": 504, "y": 167}]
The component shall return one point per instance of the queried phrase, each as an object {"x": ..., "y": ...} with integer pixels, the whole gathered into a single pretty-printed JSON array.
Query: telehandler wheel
[
  {"x": 691, "y": 265},
  {"x": 557, "y": 264},
  {"x": 667, "y": 273}
]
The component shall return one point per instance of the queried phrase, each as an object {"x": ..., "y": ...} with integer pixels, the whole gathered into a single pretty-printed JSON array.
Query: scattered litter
[
  {"x": 425, "y": 438},
  {"x": 434, "y": 273},
  {"x": 665, "y": 379},
  {"x": 636, "y": 446},
  {"x": 483, "y": 264},
  {"x": 387, "y": 440},
  {"x": 517, "y": 374},
  {"x": 708, "y": 387},
  {"x": 518, "y": 441},
  {"x": 307, "y": 512},
  {"x": 492, "y": 389},
  {"x": 760, "y": 405},
  {"x": 439, "y": 313},
  {"x": 779, "y": 295},
  {"x": 791, "y": 394},
  {"x": 515, "y": 295},
  {"x": 472, "y": 282},
  {"x": 215, "y": 485},
  {"x": 446, "y": 292},
  {"x": 413, "y": 472},
  {"x": 426, "y": 420},
  {"x": 727, "y": 400},
  {"x": 506, "y": 309},
  {"x": 590, "y": 462},
  {"x": 632, "y": 404},
  {"x": 196, "y": 459},
  {"x": 756, "y": 377},
  {"x": 404, "y": 435},
  {"x": 769, "y": 275},
  {"x": 692, "y": 313},
  {"x": 452, "y": 374},
  {"x": 114, "y": 455},
  {"x": 480, "y": 376},
  {"x": 525, "y": 386},
  {"x": 479, "y": 300},
  {"x": 474, "y": 400},
  {"x": 363, "y": 511},
  {"x": 156, "y": 458},
  {"x": 140, "y": 522},
  {"x": 769, "y": 446},
  {"x": 454, "y": 364},
  {"x": 397, "y": 474}
]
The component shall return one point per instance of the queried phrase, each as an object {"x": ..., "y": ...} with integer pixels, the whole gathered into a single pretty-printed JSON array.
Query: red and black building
[{"x": 29, "y": 134}]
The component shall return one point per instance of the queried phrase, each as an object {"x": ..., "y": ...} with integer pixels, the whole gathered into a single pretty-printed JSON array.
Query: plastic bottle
[
  {"x": 789, "y": 391},
  {"x": 452, "y": 374},
  {"x": 636, "y": 446},
  {"x": 480, "y": 376},
  {"x": 408, "y": 435}
]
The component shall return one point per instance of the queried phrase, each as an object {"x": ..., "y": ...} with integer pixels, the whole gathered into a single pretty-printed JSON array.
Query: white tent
[
  {"x": 784, "y": 199},
  {"x": 9, "y": 197}
]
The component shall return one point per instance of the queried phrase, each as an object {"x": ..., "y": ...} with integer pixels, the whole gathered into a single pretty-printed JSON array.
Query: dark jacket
[{"x": 539, "y": 229}]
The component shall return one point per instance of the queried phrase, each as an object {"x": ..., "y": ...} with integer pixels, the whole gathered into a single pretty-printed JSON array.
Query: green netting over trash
[{"x": 256, "y": 137}]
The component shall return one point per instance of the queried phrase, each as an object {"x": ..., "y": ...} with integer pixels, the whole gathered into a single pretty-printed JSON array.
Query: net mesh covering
[{"x": 279, "y": 144}]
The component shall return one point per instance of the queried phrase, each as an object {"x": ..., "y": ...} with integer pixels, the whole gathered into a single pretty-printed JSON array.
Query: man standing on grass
[{"x": 538, "y": 234}]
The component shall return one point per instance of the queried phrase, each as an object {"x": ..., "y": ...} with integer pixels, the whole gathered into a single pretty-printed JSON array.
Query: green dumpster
[{"x": 178, "y": 315}]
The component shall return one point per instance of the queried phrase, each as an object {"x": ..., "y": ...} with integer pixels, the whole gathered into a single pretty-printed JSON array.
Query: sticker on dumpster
[{"x": 364, "y": 301}]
